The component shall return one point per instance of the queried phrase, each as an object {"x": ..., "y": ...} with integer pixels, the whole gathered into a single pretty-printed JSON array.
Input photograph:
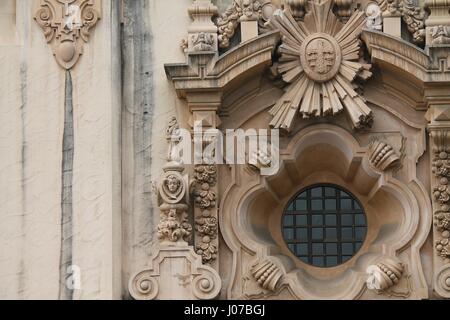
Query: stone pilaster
[
  {"x": 204, "y": 122},
  {"x": 439, "y": 132}
]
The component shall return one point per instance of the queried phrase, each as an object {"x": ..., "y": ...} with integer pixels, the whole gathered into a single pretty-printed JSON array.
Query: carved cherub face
[{"x": 172, "y": 183}]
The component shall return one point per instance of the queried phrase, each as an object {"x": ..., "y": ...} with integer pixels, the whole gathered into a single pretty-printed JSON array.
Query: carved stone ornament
[
  {"x": 320, "y": 61},
  {"x": 238, "y": 11},
  {"x": 440, "y": 35},
  {"x": 202, "y": 32},
  {"x": 374, "y": 18},
  {"x": 173, "y": 227},
  {"x": 177, "y": 274},
  {"x": 382, "y": 156},
  {"x": 441, "y": 191},
  {"x": 384, "y": 275},
  {"x": 206, "y": 225},
  {"x": 412, "y": 15},
  {"x": 66, "y": 25},
  {"x": 267, "y": 275}
]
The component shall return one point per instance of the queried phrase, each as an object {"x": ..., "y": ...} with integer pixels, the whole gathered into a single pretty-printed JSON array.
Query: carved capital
[{"x": 67, "y": 25}]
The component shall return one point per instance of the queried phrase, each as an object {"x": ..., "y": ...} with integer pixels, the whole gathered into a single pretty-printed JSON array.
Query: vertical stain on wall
[
  {"x": 65, "y": 293},
  {"x": 138, "y": 108},
  {"x": 23, "y": 178}
]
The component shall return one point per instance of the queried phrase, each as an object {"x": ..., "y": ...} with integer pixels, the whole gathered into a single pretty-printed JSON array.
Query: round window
[{"x": 324, "y": 225}]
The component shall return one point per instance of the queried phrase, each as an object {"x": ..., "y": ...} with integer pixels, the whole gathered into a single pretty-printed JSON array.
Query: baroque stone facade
[{"x": 100, "y": 109}]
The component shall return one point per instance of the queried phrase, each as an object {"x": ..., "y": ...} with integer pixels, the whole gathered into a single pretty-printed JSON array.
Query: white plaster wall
[
  {"x": 32, "y": 89},
  {"x": 31, "y": 126}
]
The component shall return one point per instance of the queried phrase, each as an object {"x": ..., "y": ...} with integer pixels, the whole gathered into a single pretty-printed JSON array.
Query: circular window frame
[{"x": 338, "y": 241}]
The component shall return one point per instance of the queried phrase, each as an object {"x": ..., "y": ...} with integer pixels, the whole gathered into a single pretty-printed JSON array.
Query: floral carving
[
  {"x": 320, "y": 61},
  {"x": 441, "y": 191},
  {"x": 443, "y": 248},
  {"x": 207, "y": 250},
  {"x": 66, "y": 25},
  {"x": 206, "y": 224},
  {"x": 174, "y": 226}
]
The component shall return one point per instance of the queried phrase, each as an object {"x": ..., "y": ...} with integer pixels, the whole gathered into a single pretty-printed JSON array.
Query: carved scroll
[{"x": 67, "y": 24}]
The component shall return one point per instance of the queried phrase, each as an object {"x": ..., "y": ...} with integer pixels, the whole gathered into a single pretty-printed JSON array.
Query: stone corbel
[
  {"x": 67, "y": 25},
  {"x": 175, "y": 271},
  {"x": 439, "y": 129}
]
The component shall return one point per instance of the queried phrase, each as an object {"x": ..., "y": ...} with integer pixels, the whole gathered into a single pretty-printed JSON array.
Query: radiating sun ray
[{"x": 320, "y": 60}]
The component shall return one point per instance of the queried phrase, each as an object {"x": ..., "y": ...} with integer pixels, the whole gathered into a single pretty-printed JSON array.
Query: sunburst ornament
[{"x": 320, "y": 60}]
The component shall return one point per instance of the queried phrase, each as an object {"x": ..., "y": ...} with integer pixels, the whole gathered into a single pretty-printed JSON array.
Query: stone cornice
[
  {"x": 427, "y": 66},
  {"x": 204, "y": 72}
]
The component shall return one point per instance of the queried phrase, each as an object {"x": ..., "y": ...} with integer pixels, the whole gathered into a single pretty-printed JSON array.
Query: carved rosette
[
  {"x": 206, "y": 222},
  {"x": 320, "y": 62},
  {"x": 67, "y": 25}
]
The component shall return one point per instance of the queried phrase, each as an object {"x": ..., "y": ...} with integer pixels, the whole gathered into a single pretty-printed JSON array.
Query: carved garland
[
  {"x": 441, "y": 191},
  {"x": 66, "y": 25},
  {"x": 206, "y": 225}
]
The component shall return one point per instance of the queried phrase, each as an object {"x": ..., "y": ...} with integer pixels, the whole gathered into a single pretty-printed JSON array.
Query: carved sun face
[{"x": 320, "y": 59}]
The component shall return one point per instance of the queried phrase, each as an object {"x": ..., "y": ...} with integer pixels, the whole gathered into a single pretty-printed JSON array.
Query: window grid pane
[{"x": 330, "y": 226}]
